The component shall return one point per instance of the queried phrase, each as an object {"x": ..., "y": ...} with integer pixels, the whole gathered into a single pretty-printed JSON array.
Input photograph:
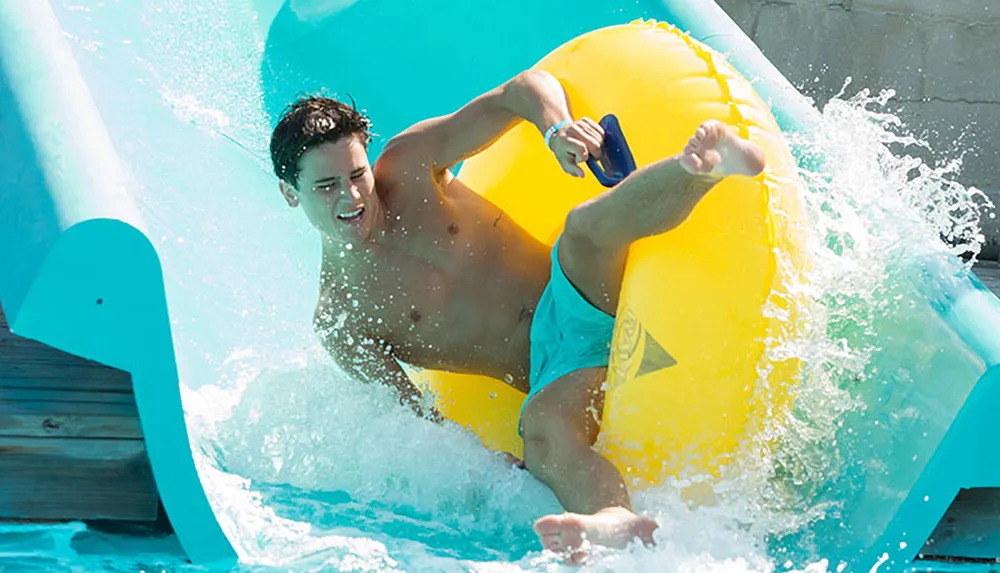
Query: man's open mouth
[{"x": 352, "y": 216}]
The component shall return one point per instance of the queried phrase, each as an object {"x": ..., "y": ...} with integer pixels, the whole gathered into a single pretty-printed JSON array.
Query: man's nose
[{"x": 355, "y": 193}]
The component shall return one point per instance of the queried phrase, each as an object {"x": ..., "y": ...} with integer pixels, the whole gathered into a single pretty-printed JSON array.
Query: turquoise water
[{"x": 308, "y": 470}]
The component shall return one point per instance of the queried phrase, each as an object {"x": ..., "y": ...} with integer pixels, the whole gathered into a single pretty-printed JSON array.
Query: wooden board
[
  {"x": 65, "y": 478},
  {"x": 49, "y": 395},
  {"x": 29, "y": 364},
  {"x": 69, "y": 414},
  {"x": 41, "y": 419},
  {"x": 71, "y": 444}
]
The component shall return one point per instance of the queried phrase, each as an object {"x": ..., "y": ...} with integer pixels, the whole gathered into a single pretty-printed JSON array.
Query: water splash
[
  {"x": 328, "y": 451},
  {"x": 877, "y": 208}
]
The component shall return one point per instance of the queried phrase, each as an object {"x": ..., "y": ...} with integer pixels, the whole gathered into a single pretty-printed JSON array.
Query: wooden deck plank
[
  {"x": 29, "y": 364},
  {"x": 70, "y": 419},
  {"x": 97, "y": 382},
  {"x": 49, "y": 395},
  {"x": 62, "y": 478},
  {"x": 20, "y": 415},
  {"x": 70, "y": 409},
  {"x": 42, "y": 425}
]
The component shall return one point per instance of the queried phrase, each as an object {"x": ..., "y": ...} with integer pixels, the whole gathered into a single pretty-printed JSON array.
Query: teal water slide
[{"x": 140, "y": 229}]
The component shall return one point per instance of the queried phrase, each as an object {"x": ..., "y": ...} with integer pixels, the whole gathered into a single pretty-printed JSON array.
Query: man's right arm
[
  {"x": 369, "y": 360},
  {"x": 435, "y": 145}
]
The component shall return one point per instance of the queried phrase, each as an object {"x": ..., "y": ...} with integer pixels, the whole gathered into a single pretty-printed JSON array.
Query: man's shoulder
[
  {"x": 405, "y": 159},
  {"x": 335, "y": 311},
  {"x": 394, "y": 156},
  {"x": 397, "y": 178}
]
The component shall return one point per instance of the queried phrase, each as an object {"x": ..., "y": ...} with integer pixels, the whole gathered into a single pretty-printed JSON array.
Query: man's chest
[
  {"x": 453, "y": 275},
  {"x": 419, "y": 298}
]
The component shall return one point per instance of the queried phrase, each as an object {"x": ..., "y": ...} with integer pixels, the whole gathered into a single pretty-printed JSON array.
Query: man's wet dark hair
[{"x": 311, "y": 121}]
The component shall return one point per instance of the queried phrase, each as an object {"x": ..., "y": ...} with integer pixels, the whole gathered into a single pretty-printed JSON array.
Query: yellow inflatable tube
[{"x": 690, "y": 376}]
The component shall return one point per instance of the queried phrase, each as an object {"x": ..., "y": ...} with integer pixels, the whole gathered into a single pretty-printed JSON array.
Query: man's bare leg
[
  {"x": 560, "y": 424},
  {"x": 650, "y": 201}
]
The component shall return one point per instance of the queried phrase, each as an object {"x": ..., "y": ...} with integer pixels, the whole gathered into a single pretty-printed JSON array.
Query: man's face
[{"x": 336, "y": 190}]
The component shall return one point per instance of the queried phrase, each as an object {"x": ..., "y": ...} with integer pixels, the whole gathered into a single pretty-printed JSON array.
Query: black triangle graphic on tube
[{"x": 654, "y": 357}]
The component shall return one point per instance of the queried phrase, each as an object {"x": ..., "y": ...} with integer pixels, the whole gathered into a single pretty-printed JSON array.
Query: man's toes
[
  {"x": 549, "y": 530},
  {"x": 552, "y": 542},
  {"x": 548, "y": 525},
  {"x": 692, "y": 163}
]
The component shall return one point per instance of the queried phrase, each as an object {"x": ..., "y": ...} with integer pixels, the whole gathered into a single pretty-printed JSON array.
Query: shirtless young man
[{"x": 420, "y": 269}]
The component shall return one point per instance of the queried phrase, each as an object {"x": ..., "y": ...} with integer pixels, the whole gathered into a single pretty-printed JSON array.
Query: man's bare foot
[
  {"x": 715, "y": 150},
  {"x": 613, "y": 527}
]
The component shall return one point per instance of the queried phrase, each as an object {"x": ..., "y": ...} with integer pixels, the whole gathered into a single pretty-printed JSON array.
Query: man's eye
[{"x": 357, "y": 176}]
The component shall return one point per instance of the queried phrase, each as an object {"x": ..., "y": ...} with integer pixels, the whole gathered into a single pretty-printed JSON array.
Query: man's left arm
[{"x": 533, "y": 95}]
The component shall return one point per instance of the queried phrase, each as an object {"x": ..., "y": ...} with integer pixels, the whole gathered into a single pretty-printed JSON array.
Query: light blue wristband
[{"x": 552, "y": 131}]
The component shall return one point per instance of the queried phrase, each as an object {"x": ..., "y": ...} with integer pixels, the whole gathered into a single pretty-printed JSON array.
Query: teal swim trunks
[{"x": 567, "y": 332}]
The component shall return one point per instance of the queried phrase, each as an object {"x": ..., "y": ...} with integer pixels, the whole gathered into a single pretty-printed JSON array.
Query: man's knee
[
  {"x": 593, "y": 228},
  {"x": 549, "y": 436},
  {"x": 593, "y": 259},
  {"x": 583, "y": 231}
]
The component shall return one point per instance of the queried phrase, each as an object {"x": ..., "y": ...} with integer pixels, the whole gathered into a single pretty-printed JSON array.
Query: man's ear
[{"x": 289, "y": 193}]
